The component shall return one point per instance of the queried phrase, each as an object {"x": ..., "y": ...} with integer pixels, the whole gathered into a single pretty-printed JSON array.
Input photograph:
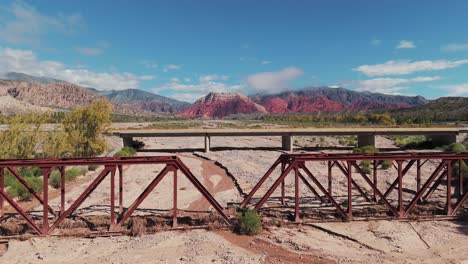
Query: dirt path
[
  {"x": 215, "y": 181},
  {"x": 274, "y": 253}
]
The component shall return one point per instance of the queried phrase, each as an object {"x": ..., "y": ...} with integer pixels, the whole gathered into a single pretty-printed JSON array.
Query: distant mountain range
[{"x": 49, "y": 93}]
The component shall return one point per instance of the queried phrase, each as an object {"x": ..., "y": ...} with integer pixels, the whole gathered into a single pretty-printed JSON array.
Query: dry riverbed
[{"x": 352, "y": 242}]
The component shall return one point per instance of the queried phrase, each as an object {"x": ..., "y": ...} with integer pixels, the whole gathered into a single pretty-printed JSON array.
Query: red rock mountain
[
  {"x": 328, "y": 99},
  {"x": 219, "y": 105}
]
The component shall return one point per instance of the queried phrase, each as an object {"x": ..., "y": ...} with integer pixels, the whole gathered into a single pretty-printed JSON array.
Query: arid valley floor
[{"x": 332, "y": 242}]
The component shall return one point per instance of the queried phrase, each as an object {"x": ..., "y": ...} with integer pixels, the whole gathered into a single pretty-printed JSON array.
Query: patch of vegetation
[
  {"x": 175, "y": 125},
  {"x": 413, "y": 142},
  {"x": 386, "y": 164},
  {"x": 125, "y": 152},
  {"x": 250, "y": 222},
  {"x": 365, "y": 150},
  {"x": 16, "y": 189},
  {"x": 365, "y": 164},
  {"x": 70, "y": 175},
  {"x": 455, "y": 147}
]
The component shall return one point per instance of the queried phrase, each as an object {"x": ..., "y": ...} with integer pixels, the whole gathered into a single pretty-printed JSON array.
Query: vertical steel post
[
  {"x": 330, "y": 177},
  {"x": 460, "y": 178},
  {"x": 2, "y": 187},
  {"x": 374, "y": 174},
  {"x": 45, "y": 204},
  {"x": 350, "y": 190},
  {"x": 62, "y": 189},
  {"x": 112, "y": 197},
  {"x": 400, "y": 188},
  {"x": 418, "y": 175},
  {"x": 120, "y": 189},
  {"x": 296, "y": 189},
  {"x": 449, "y": 188},
  {"x": 174, "y": 210},
  {"x": 283, "y": 202}
]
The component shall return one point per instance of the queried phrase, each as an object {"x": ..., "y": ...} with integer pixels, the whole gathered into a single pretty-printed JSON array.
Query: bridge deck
[{"x": 291, "y": 132}]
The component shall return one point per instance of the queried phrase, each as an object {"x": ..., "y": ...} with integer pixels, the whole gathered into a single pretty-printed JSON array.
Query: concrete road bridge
[{"x": 366, "y": 135}]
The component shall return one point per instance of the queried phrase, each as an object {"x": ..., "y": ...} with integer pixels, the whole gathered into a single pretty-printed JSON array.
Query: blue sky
[{"x": 185, "y": 49}]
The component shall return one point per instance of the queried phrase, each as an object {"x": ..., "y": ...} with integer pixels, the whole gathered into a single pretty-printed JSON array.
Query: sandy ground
[{"x": 353, "y": 242}]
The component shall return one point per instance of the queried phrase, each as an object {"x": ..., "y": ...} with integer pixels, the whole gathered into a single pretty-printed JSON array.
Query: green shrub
[
  {"x": 455, "y": 147},
  {"x": 455, "y": 171},
  {"x": 16, "y": 189},
  {"x": 250, "y": 222},
  {"x": 125, "y": 152},
  {"x": 413, "y": 142},
  {"x": 386, "y": 164},
  {"x": 55, "y": 179},
  {"x": 365, "y": 166},
  {"x": 70, "y": 175},
  {"x": 92, "y": 167},
  {"x": 365, "y": 150}
]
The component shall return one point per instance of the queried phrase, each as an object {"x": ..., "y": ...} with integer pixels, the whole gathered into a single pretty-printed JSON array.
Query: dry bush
[
  {"x": 11, "y": 228},
  {"x": 137, "y": 226},
  {"x": 75, "y": 232}
]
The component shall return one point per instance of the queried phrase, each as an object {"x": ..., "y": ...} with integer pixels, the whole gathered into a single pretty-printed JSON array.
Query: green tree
[
  {"x": 85, "y": 127},
  {"x": 23, "y": 135}
]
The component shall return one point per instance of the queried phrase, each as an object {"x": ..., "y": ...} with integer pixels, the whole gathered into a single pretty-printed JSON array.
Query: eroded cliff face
[{"x": 219, "y": 105}]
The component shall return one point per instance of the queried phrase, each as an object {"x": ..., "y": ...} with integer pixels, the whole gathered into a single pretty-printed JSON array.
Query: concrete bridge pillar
[
  {"x": 287, "y": 143},
  {"x": 366, "y": 140},
  {"x": 207, "y": 144},
  {"x": 440, "y": 140},
  {"x": 127, "y": 141}
]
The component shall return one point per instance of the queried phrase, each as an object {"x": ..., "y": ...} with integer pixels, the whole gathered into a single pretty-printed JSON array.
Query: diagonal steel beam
[
  {"x": 185, "y": 170},
  {"x": 311, "y": 188},
  {"x": 107, "y": 169},
  {"x": 29, "y": 188},
  {"x": 260, "y": 183},
  {"x": 142, "y": 196},
  {"x": 345, "y": 172},
  {"x": 376, "y": 190},
  {"x": 395, "y": 182},
  {"x": 18, "y": 209},
  {"x": 424, "y": 188},
  {"x": 322, "y": 189}
]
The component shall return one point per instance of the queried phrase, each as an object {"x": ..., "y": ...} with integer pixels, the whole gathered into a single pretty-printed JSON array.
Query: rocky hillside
[
  {"x": 55, "y": 96},
  {"x": 333, "y": 100},
  {"x": 219, "y": 105},
  {"x": 142, "y": 100},
  {"x": 444, "y": 109}
]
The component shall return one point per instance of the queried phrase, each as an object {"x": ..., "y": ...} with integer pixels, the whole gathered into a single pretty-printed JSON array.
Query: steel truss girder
[
  {"x": 112, "y": 166},
  {"x": 297, "y": 163}
]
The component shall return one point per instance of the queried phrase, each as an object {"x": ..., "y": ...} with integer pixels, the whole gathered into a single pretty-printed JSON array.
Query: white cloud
[
  {"x": 388, "y": 85},
  {"x": 407, "y": 67},
  {"x": 187, "y": 97},
  {"x": 405, "y": 44},
  {"x": 171, "y": 67},
  {"x": 191, "y": 92},
  {"x": 149, "y": 64},
  {"x": 186, "y": 79},
  {"x": 455, "y": 47},
  {"x": 274, "y": 81},
  {"x": 213, "y": 77},
  {"x": 376, "y": 42},
  {"x": 25, "y": 61},
  {"x": 456, "y": 89},
  {"x": 89, "y": 51},
  {"x": 265, "y": 62},
  {"x": 21, "y": 23}
]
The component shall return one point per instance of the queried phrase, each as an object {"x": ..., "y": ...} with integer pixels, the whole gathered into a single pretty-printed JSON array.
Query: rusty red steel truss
[
  {"x": 112, "y": 167},
  {"x": 297, "y": 165}
]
